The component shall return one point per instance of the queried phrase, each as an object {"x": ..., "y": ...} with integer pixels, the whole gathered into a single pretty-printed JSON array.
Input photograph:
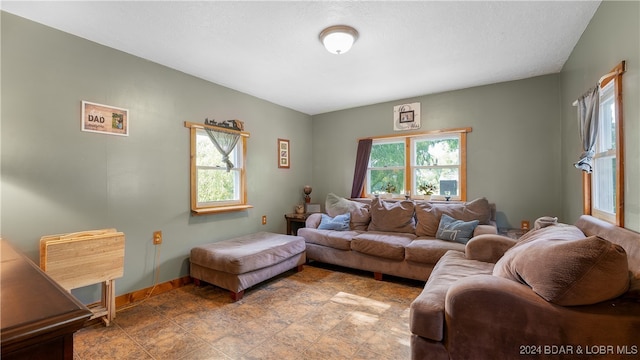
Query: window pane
[
  {"x": 386, "y": 154},
  {"x": 607, "y": 121},
  {"x": 604, "y": 186},
  {"x": 217, "y": 185},
  {"x": 445, "y": 179},
  {"x": 208, "y": 155},
  {"x": 437, "y": 152},
  {"x": 214, "y": 183},
  {"x": 379, "y": 179}
]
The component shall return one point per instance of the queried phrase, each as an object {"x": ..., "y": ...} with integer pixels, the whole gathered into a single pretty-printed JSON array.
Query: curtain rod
[{"x": 615, "y": 72}]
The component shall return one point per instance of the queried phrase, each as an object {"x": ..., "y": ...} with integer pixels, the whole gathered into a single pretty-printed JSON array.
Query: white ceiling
[{"x": 271, "y": 49}]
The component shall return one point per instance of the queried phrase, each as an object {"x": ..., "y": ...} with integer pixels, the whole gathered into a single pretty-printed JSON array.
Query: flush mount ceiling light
[{"x": 338, "y": 39}]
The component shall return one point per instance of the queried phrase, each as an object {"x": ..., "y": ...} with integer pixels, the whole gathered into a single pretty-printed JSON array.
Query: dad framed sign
[{"x": 105, "y": 119}]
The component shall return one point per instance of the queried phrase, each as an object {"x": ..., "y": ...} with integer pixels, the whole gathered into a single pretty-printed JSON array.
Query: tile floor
[{"x": 322, "y": 312}]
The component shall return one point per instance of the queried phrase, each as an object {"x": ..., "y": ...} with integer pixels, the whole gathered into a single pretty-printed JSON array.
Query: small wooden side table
[{"x": 295, "y": 221}]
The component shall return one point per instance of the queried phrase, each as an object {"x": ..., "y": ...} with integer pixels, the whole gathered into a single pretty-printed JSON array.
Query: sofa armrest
[
  {"x": 488, "y": 247},
  {"x": 485, "y": 229},
  {"x": 313, "y": 221},
  {"x": 496, "y": 318}
]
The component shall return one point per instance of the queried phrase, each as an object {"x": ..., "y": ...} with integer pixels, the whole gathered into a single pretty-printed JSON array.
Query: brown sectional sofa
[
  {"x": 560, "y": 292},
  {"x": 392, "y": 237}
]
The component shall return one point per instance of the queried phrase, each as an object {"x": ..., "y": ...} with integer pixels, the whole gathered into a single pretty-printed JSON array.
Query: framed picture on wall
[
  {"x": 284, "y": 155},
  {"x": 406, "y": 117},
  {"x": 105, "y": 119}
]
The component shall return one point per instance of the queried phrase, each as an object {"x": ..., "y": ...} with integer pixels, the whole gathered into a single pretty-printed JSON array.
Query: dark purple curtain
[{"x": 362, "y": 162}]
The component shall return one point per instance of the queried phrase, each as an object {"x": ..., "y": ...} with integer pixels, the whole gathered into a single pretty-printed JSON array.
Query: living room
[{"x": 57, "y": 179}]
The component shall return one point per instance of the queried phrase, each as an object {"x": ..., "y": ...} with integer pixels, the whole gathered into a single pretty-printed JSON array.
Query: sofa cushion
[
  {"x": 334, "y": 239},
  {"x": 429, "y": 251},
  {"x": 567, "y": 272},
  {"x": 380, "y": 244},
  {"x": 455, "y": 230},
  {"x": 392, "y": 216},
  {"x": 338, "y": 223},
  {"x": 360, "y": 215},
  {"x": 426, "y": 317},
  {"x": 428, "y": 214}
]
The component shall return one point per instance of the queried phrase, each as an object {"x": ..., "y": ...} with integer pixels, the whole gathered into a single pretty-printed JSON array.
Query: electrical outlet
[
  {"x": 157, "y": 237},
  {"x": 264, "y": 219},
  {"x": 524, "y": 225}
]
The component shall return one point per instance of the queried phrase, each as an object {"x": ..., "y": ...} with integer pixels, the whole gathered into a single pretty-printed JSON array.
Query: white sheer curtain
[
  {"x": 588, "y": 109},
  {"x": 224, "y": 142}
]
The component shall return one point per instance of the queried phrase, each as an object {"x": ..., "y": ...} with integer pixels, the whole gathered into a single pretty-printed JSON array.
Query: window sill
[{"x": 221, "y": 209}]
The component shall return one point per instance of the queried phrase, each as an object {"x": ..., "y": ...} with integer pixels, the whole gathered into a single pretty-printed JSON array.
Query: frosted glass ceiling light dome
[{"x": 338, "y": 39}]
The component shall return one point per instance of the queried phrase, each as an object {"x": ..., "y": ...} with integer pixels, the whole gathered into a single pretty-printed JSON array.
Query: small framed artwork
[
  {"x": 105, "y": 119},
  {"x": 406, "y": 117},
  {"x": 284, "y": 153}
]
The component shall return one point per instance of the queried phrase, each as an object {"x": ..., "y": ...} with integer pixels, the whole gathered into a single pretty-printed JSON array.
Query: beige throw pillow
[
  {"x": 360, "y": 215},
  {"x": 392, "y": 216},
  {"x": 428, "y": 214}
]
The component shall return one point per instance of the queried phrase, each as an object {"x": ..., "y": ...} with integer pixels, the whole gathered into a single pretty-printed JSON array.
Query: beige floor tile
[
  {"x": 329, "y": 347},
  {"x": 273, "y": 351},
  {"x": 205, "y": 352}
]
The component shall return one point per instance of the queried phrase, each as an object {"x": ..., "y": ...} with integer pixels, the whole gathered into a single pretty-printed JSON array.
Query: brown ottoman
[{"x": 242, "y": 262}]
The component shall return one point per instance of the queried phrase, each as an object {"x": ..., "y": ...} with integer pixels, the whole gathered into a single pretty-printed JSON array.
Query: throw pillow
[
  {"x": 568, "y": 272},
  {"x": 339, "y": 223},
  {"x": 360, "y": 215},
  {"x": 428, "y": 214},
  {"x": 455, "y": 230},
  {"x": 390, "y": 216}
]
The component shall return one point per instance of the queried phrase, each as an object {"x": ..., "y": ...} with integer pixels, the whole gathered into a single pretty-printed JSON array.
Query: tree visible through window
[
  {"x": 436, "y": 161},
  {"x": 386, "y": 166},
  {"x": 216, "y": 185}
]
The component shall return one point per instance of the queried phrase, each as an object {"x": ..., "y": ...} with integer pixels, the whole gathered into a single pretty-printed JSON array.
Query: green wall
[
  {"x": 58, "y": 179},
  {"x": 512, "y": 151},
  {"x": 613, "y": 35}
]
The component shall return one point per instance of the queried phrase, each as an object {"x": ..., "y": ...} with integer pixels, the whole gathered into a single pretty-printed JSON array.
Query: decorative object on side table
[
  {"x": 299, "y": 209},
  {"x": 307, "y": 191}
]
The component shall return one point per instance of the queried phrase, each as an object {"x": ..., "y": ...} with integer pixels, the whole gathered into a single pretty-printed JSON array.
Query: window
[
  {"x": 215, "y": 186},
  {"x": 401, "y": 164},
  {"x": 604, "y": 186},
  {"x": 386, "y": 172},
  {"x": 436, "y": 160}
]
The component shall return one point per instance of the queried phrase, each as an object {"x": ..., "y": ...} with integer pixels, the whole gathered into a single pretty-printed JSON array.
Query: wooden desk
[
  {"x": 37, "y": 316},
  {"x": 295, "y": 221}
]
